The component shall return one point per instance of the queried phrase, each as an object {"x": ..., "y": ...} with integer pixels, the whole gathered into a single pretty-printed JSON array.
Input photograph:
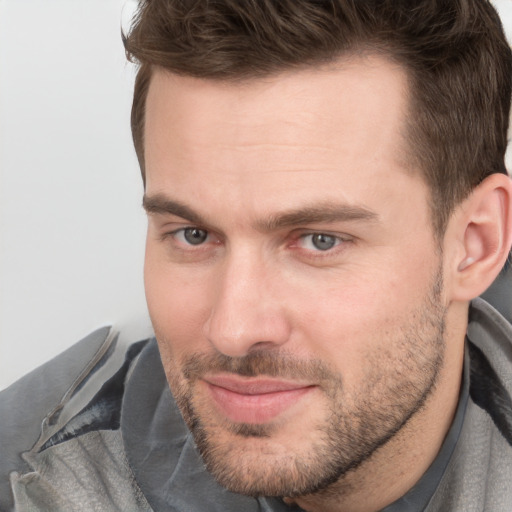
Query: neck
[{"x": 397, "y": 466}]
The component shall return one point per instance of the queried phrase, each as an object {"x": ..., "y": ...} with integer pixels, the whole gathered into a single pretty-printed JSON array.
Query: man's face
[{"x": 292, "y": 276}]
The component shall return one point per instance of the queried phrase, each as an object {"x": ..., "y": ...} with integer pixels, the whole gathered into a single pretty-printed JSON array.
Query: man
[{"x": 326, "y": 196}]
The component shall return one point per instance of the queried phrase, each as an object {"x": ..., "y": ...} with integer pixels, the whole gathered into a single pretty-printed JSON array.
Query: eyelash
[
  {"x": 316, "y": 255},
  {"x": 337, "y": 240},
  {"x": 174, "y": 235}
]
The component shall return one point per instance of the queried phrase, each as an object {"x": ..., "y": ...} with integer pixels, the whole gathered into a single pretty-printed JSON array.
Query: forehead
[{"x": 338, "y": 126}]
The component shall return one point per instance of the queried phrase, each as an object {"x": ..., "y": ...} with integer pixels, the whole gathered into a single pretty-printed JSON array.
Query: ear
[{"x": 483, "y": 229}]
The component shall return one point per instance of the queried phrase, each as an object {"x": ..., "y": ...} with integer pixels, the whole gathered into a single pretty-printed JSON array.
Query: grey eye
[
  {"x": 195, "y": 236},
  {"x": 323, "y": 242}
]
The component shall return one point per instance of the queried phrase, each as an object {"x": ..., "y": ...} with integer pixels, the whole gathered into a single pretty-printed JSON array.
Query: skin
[{"x": 365, "y": 330}]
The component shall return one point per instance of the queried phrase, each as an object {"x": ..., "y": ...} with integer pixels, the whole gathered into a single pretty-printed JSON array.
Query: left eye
[
  {"x": 320, "y": 241},
  {"x": 193, "y": 236}
]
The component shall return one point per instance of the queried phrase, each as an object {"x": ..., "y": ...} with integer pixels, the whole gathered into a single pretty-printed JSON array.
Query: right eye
[
  {"x": 191, "y": 236},
  {"x": 320, "y": 241}
]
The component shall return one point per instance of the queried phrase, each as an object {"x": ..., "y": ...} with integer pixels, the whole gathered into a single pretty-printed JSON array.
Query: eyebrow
[
  {"x": 159, "y": 204},
  {"x": 319, "y": 213}
]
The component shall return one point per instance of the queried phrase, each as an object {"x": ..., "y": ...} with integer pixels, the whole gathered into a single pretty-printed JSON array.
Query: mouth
[{"x": 254, "y": 401}]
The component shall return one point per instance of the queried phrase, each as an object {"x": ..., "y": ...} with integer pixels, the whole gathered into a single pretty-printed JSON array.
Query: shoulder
[
  {"x": 39, "y": 409},
  {"x": 479, "y": 471},
  {"x": 491, "y": 334},
  {"x": 490, "y": 351}
]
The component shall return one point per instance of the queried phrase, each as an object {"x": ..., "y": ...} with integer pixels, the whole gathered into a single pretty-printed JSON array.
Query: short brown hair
[{"x": 454, "y": 51}]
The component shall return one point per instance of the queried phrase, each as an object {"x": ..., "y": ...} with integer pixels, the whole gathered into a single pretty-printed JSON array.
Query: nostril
[{"x": 263, "y": 345}]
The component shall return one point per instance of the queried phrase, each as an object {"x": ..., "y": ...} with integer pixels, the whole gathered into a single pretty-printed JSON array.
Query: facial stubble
[{"x": 245, "y": 458}]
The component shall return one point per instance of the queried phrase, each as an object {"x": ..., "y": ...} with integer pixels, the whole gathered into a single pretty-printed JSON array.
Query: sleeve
[{"x": 26, "y": 403}]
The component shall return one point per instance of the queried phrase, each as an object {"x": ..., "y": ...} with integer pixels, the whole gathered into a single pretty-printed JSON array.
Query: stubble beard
[{"x": 400, "y": 377}]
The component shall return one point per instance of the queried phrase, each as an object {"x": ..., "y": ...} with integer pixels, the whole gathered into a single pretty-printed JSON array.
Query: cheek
[
  {"x": 177, "y": 305},
  {"x": 362, "y": 313}
]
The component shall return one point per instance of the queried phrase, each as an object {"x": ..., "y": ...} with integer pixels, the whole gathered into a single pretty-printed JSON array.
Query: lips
[{"x": 254, "y": 401}]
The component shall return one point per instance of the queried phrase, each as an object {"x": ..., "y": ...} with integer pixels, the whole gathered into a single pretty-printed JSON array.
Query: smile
[{"x": 254, "y": 401}]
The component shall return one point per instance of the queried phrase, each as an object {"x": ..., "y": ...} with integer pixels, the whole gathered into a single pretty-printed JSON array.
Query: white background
[{"x": 71, "y": 224}]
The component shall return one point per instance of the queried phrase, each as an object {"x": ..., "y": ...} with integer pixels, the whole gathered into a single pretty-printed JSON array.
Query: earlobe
[{"x": 485, "y": 222}]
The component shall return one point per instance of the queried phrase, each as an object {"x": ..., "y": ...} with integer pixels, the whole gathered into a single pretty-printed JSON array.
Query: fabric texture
[
  {"x": 86, "y": 473},
  {"x": 98, "y": 429}
]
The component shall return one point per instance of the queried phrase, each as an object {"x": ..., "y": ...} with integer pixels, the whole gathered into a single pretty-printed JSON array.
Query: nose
[{"x": 247, "y": 312}]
